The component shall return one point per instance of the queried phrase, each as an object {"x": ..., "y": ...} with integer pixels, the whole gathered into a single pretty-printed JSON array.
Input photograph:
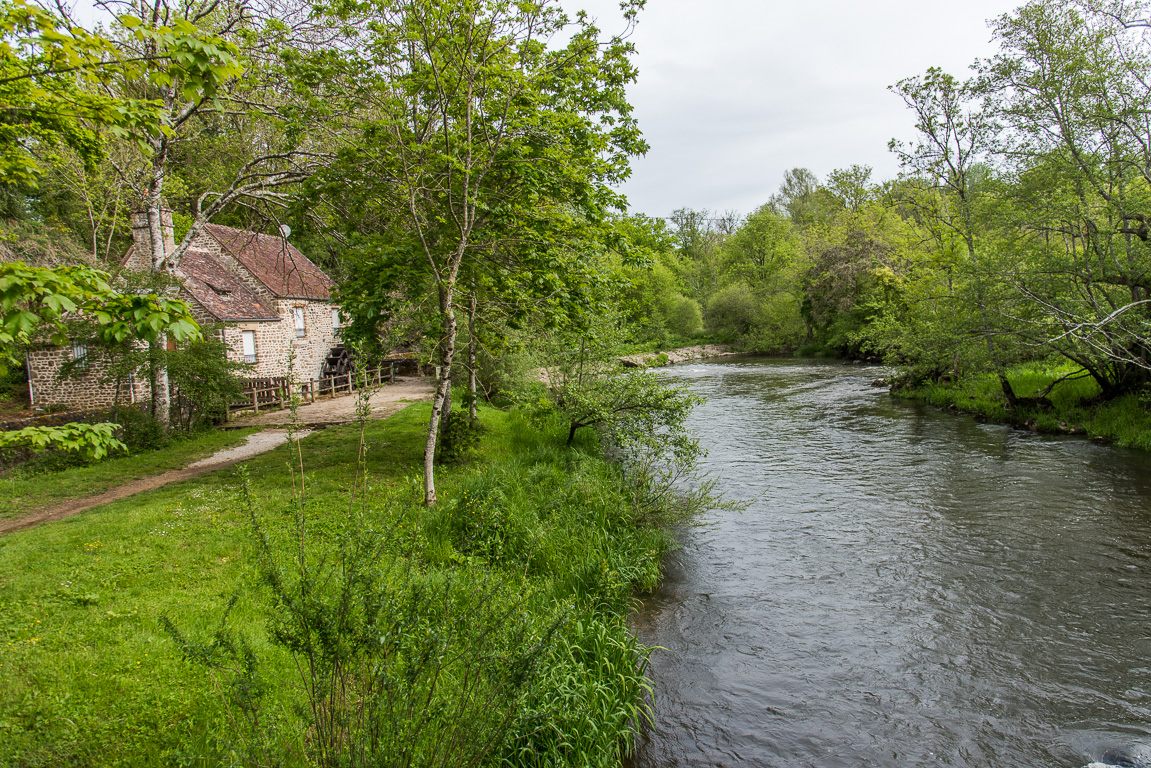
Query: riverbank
[
  {"x": 1071, "y": 407},
  {"x": 502, "y": 609},
  {"x": 679, "y": 355}
]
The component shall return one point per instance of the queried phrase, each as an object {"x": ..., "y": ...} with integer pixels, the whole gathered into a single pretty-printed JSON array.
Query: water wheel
[{"x": 336, "y": 373}]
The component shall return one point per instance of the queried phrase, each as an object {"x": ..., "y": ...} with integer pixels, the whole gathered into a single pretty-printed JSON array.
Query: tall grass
[
  {"x": 1074, "y": 408},
  {"x": 334, "y": 620}
]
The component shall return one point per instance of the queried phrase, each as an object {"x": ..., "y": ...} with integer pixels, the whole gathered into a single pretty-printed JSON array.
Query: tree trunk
[
  {"x": 472, "y": 357},
  {"x": 161, "y": 398},
  {"x": 446, "y": 413},
  {"x": 1008, "y": 391},
  {"x": 158, "y": 378},
  {"x": 443, "y": 392}
]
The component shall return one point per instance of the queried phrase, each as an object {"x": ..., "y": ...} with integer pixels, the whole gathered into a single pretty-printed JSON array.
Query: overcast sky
[{"x": 732, "y": 93}]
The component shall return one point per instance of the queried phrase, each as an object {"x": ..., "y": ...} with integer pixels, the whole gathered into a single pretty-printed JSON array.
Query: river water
[{"x": 907, "y": 588}]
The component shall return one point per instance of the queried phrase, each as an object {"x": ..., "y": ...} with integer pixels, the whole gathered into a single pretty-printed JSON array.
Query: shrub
[
  {"x": 138, "y": 429},
  {"x": 204, "y": 382},
  {"x": 685, "y": 317},
  {"x": 500, "y": 377},
  {"x": 731, "y": 312},
  {"x": 458, "y": 438}
]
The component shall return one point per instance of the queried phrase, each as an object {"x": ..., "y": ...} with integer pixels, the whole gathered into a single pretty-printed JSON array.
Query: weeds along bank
[
  {"x": 229, "y": 622},
  {"x": 1052, "y": 399}
]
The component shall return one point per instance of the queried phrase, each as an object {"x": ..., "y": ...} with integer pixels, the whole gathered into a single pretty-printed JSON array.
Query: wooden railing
[{"x": 276, "y": 392}]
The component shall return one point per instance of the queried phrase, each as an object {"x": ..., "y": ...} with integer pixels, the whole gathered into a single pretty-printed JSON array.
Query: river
[{"x": 907, "y": 587}]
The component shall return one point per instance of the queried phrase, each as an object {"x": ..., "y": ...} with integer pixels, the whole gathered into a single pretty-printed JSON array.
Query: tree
[
  {"x": 698, "y": 262},
  {"x": 803, "y": 199},
  {"x": 763, "y": 245},
  {"x": 483, "y": 137},
  {"x": 587, "y": 382},
  {"x": 55, "y": 80},
  {"x": 37, "y": 300},
  {"x": 852, "y": 186},
  {"x": 956, "y": 138},
  {"x": 1071, "y": 85}
]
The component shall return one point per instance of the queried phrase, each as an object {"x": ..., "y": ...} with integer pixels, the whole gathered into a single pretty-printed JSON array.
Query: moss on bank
[
  {"x": 533, "y": 543},
  {"x": 1074, "y": 407}
]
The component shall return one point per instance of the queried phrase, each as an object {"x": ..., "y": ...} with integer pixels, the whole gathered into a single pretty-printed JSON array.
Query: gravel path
[
  {"x": 256, "y": 444},
  {"x": 342, "y": 410}
]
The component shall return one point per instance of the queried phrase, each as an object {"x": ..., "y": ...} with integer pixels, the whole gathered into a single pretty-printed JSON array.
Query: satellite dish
[{"x": 285, "y": 230}]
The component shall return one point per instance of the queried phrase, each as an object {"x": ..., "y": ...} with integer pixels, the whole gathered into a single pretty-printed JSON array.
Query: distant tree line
[{"x": 1018, "y": 230}]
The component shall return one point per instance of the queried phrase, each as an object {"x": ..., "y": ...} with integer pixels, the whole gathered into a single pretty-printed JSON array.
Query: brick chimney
[{"x": 141, "y": 236}]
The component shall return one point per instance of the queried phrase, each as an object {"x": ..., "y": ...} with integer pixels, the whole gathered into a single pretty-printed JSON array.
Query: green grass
[
  {"x": 21, "y": 494},
  {"x": 88, "y": 677},
  {"x": 1125, "y": 421}
]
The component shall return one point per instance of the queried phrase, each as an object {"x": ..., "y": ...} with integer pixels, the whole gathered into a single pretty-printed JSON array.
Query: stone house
[{"x": 267, "y": 297}]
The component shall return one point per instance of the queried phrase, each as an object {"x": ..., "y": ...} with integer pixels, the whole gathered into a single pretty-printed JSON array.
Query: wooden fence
[{"x": 276, "y": 392}]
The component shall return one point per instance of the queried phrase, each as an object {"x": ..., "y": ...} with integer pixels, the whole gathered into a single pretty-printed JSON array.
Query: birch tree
[{"x": 489, "y": 127}]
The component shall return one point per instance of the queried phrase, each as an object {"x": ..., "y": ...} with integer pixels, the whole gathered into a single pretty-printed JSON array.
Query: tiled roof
[
  {"x": 276, "y": 263},
  {"x": 221, "y": 292}
]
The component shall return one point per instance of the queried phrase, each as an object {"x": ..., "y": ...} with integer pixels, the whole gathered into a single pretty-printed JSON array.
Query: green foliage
[
  {"x": 778, "y": 325},
  {"x": 488, "y": 154},
  {"x": 685, "y": 318},
  {"x": 138, "y": 429},
  {"x": 502, "y": 377},
  {"x": 91, "y": 441},
  {"x": 38, "y": 298},
  {"x": 459, "y": 438},
  {"x": 588, "y": 383},
  {"x": 32, "y": 296},
  {"x": 59, "y": 83},
  {"x": 204, "y": 382},
  {"x": 731, "y": 311},
  {"x": 1055, "y": 397}
]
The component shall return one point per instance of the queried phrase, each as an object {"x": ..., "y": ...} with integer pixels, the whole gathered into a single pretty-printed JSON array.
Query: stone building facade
[
  {"x": 268, "y": 298},
  {"x": 89, "y": 385}
]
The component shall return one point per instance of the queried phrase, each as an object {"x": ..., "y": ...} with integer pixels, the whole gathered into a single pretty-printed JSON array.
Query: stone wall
[
  {"x": 274, "y": 340},
  {"x": 90, "y": 389}
]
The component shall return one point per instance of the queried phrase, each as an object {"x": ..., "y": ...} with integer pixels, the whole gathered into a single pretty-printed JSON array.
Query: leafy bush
[
  {"x": 458, "y": 438},
  {"x": 732, "y": 311},
  {"x": 779, "y": 326},
  {"x": 90, "y": 441},
  {"x": 139, "y": 430},
  {"x": 204, "y": 382},
  {"x": 501, "y": 378},
  {"x": 685, "y": 317}
]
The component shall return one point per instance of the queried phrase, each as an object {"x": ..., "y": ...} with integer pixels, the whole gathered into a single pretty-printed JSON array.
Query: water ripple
[{"x": 907, "y": 587}]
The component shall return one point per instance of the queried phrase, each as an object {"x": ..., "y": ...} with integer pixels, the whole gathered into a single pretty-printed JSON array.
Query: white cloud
[{"x": 734, "y": 92}]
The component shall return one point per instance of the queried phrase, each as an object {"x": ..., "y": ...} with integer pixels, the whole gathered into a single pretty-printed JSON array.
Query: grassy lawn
[
  {"x": 1126, "y": 421},
  {"x": 22, "y": 494},
  {"x": 90, "y": 677}
]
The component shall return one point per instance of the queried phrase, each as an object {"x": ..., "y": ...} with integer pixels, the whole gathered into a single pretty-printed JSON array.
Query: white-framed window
[
  {"x": 80, "y": 355},
  {"x": 298, "y": 315},
  {"x": 335, "y": 321},
  {"x": 248, "y": 345}
]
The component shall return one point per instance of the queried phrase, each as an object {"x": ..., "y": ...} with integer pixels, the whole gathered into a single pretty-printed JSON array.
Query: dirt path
[
  {"x": 384, "y": 403},
  {"x": 258, "y": 443}
]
